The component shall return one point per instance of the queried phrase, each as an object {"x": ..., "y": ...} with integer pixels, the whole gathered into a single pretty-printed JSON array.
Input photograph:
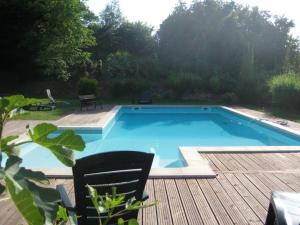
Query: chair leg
[{"x": 270, "y": 220}]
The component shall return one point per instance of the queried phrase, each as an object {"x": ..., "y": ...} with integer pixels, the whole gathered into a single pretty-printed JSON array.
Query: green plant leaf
[
  {"x": 121, "y": 221},
  {"x": 2, "y": 188},
  {"x": 62, "y": 217},
  {"x": 18, "y": 174},
  {"x": 6, "y": 148},
  {"x": 136, "y": 205},
  {"x": 133, "y": 222},
  {"x": 3, "y": 104},
  {"x": 94, "y": 197},
  {"x": 37, "y": 204},
  {"x": 25, "y": 204},
  {"x": 17, "y": 101},
  {"x": 61, "y": 146}
]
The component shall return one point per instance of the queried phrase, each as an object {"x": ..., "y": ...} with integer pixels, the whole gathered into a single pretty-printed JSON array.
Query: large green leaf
[
  {"x": 3, "y": 104},
  {"x": 18, "y": 174},
  {"x": 61, "y": 146},
  {"x": 37, "y": 204},
  {"x": 25, "y": 204},
  {"x": 18, "y": 101},
  {"x": 5, "y": 147}
]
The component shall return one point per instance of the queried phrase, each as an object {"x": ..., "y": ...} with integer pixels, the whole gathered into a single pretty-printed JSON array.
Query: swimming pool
[{"x": 162, "y": 130}]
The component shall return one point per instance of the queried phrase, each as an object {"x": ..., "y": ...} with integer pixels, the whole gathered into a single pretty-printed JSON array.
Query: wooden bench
[{"x": 86, "y": 100}]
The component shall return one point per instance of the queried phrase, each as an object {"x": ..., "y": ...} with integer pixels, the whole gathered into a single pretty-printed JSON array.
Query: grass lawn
[
  {"x": 278, "y": 112},
  {"x": 63, "y": 107}
]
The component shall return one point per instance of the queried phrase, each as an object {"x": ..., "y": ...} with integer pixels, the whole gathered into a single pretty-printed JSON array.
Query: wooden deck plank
[
  {"x": 149, "y": 214},
  {"x": 226, "y": 160},
  {"x": 215, "y": 204},
  {"x": 176, "y": 207},
  {"x": 256, "y": 192},
  {"x": 256, "y": 160},
  {"x": 265, "y": 190},
  {"x": 271, "y": 181},
  {"x": 217, "y": 162},
  {"x": 163, "y": 207},
  {"x": 203, "y": 207},
  {"x": 236, "y": 165},
  {"x": 290, "y": 181},
  {"x": 257, "y": 208},
  {"x": 190, "y": 208},
  {"x": 248, "y": 164},
  {"x": 230, "y": 207},
  {"x": 245, "y": 209}
]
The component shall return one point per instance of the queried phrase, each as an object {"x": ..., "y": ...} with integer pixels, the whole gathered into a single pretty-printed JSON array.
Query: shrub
[
  {"x": 285, "y": 90},
  {"x": 180, "y": 83},
  {"x": 229, "y": 98},
  {"x": 87, "y": 85},
  {"x": 128, "y": 88},
  {"x": 120, "y": 65}
]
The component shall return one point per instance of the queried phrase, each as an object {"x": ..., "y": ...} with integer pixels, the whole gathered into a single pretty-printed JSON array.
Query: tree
[
  {"x": 43, "y": 37},
  {"x": 226, "y": 40},
  {"x": 135, "y": 38}
]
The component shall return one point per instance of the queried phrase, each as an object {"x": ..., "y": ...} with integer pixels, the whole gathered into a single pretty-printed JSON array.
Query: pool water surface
[{"x": 162, "y": 130}]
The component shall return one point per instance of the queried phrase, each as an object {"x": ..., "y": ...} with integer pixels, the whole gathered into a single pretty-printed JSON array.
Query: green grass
[
  {"x": 61, "y": 109},
  {"x": 283, "y": 113}
]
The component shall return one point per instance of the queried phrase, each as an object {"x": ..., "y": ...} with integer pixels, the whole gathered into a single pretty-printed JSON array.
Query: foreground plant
[
  {"x": 28, "y": 189},
  {"x": 109, "y": 203}
]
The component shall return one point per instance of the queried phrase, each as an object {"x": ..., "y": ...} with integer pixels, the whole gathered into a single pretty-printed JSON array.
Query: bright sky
[{"x": 153, "y": 12}]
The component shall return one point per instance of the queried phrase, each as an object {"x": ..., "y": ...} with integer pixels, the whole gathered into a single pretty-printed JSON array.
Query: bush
[
  {"x": 180, "y": 83},
  {"x": 229, "y": 98},
  {"x": 285, "y": 90},
  {"x": 128, "y": 88},
  {"x": 87, "y": 85}
]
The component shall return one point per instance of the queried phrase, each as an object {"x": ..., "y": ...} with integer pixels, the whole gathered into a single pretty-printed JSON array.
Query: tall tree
[{"x": 43, "y": 37}]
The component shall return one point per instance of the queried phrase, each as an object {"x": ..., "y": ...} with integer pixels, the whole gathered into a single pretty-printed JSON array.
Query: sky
[{"x": 153, "y": 12}]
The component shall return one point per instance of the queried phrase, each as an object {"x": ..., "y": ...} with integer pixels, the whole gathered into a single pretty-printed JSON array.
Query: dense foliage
[
  {"x": 210, "y": 48},
  {"x": 43, "y": 37},
  {"x": 87, "y": 86},
  {"x": 285, "y": 90},
  {"x": 229, "y": 46}
]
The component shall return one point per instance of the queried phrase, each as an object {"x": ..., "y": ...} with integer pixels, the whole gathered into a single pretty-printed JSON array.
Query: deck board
[{"x": 238, "y": 195}]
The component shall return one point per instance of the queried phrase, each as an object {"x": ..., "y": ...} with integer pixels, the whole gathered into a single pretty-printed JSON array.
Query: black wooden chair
[
  {"x": 126, "y": 170},
  {"x": 284, "y": 209}
]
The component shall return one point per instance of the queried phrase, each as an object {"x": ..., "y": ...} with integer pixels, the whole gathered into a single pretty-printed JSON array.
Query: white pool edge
[{"x": 197, "y": 166}]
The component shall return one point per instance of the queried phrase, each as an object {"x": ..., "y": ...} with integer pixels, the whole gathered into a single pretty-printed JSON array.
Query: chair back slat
[{"x": 126, "y": 170}]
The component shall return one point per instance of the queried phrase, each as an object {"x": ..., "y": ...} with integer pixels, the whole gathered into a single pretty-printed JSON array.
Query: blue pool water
[{"x": 162, "y": 130}]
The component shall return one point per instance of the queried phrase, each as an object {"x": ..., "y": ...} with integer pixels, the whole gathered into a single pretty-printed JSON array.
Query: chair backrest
[
  {"x": 87, "y": 97},
  {"x": 52, "y": 100},
  {"x": 126, "y": 170}
]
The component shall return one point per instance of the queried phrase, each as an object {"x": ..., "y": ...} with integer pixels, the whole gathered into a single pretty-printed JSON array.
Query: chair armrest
[
  {"x": 65, "y": 200},
  {"x": 145, "y": 196}
]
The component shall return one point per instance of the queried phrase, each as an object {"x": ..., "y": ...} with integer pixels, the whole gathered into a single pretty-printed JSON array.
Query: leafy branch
[
  {"x": 37, "y": 203},
  {"x": 109, "y": 203}
]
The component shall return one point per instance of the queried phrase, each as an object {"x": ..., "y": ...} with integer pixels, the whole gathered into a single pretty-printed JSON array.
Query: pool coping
[{"x": 197, "y": 166}]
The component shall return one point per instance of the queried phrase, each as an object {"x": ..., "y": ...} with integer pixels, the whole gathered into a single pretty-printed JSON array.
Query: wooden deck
[{"x": 239, "y": 194}]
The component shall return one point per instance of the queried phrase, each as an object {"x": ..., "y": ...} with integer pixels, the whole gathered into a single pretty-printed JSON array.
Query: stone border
[
  {"x": 197, "y": 167},
  {"x": 263, "y": 121},
  {"x": 242, "y": 149}
]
